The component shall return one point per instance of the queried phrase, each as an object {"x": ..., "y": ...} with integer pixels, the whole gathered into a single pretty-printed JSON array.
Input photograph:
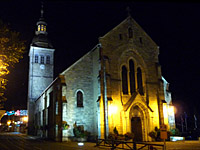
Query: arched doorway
[
  {"x": 136, "y": 128},
  {"x": 137, "y": 122}
]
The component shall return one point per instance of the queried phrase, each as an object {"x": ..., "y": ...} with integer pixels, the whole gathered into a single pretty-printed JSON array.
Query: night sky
[{"x": 74, "y": 28}]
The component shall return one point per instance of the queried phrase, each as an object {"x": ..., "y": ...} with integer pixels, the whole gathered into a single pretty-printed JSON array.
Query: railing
[{"x": 128, "y": 145}]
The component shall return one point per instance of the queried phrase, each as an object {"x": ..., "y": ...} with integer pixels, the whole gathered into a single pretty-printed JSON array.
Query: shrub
[{"x": 79, "y": 131}]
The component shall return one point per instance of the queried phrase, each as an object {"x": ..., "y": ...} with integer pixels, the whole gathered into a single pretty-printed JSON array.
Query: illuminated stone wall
[
  {"x": 119, "y": 48},
  {"x": 40, "y": 77},
  {"x": 82, "y": 76},
  {"x": 98, "y": 76}
]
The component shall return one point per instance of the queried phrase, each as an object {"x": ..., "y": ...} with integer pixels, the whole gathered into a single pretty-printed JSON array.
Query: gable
[{"x": 140, "y": 41}]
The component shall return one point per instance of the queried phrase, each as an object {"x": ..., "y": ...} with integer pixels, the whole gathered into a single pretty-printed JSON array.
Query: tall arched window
[
  {"x": 124, "y": 80},
  {"x": 132, "y": 76},
  {"x": 130, "y": 33},
  {"x": 42, "y": 60},
  {"x": 36, "y": 58},
  {"x": 139, "y": 81},
  {"x": 79, "y": 97}
]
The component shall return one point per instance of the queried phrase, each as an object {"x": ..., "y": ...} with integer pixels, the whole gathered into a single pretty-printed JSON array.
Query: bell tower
[{"x": 41, "y": 65}]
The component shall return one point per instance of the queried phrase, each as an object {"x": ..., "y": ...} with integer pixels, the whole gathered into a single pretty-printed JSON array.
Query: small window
[
  {"x": 79, "y": 99},
  {"x": 48, "y": 60},
  {"x": 130, "y": 33},
  {"x": 120, "y": 37},
  {"x": 141, "y": 40},
  {"x": 45, "y": 28},
  {"x": 42, "y": 60},
  {"x": 36, "y": 58}
]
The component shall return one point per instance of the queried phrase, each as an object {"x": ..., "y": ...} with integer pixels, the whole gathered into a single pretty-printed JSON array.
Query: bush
[
  {"x": 79, "y": 131},
  {"x": 155, "y": 135},
  {"x": 175, "y": 132},
  {"x": 116, "y": 136},
  {"x": 128, "y": 136}
]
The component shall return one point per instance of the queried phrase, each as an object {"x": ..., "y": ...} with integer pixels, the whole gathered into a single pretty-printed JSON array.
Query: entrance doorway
[{"x": 136, "y": 128}]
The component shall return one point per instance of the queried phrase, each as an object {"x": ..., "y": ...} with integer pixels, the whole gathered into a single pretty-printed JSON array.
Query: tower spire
[
  {"x": 128, "y": 11},
  {"x": 42, "y": 10}
]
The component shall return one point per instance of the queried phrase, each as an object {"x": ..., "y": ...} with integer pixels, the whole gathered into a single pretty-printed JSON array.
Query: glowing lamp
[
  {"x": 25, "y": 119},
  {"x": 8, "y": 122},
  {"x": 80, "y": 144}
]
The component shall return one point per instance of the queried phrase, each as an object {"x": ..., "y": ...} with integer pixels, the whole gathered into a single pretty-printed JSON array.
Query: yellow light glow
[
  {"x": 113, "y": 109},
  {"x": 25, "y": 119},
  {"x": 165, "y": 110},
  {"x": 171, "y": 110},
  {"x": 8, "y": 122}
]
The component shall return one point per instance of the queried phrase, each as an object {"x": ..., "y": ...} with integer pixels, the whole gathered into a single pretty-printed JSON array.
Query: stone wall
[{"x": 82, "y": 76}]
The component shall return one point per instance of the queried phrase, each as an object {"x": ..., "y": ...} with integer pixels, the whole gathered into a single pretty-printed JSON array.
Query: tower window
[
  {"x": 36, "y": 58},
  {"x": 48, "y": 60},
  {"x": 130, "y": 33},
  {"x": 124, "y": 80},
  {"x": 139, "y": 81},
  {"x": 42, "y": 60},
  {"x": 79, "y": 99},
  {"x": 45, "y": 28},
  {"x": 38, "y": 27},
  {"x": 42, "y": 27}
]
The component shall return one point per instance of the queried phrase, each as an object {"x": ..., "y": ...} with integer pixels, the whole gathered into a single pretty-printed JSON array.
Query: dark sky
[{"x": 74, "y": 28}]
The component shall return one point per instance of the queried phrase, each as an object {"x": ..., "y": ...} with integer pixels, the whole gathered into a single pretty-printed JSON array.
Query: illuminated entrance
[
  {"x": 138, "y": 117},
  {"x": 136, "y": 128}
]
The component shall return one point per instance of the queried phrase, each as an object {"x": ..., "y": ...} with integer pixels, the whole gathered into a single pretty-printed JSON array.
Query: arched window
[
  {"x": 38, "y": 27},
  {"x": 124, "y": 80},
  {"x": 42, "y": 60},
  {"x": 42, "y": 27},
  {"x": 79, "y": 97},
  {"x": 132, "y": 76},
  {"x": 130, "y": 33},
  {"x": 36, "y": 58},
  {"x": 48, "y": 60},
  {"x": 139, "y": 81}
]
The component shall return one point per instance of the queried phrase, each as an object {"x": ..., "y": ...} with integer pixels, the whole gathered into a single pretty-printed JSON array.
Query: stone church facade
[{"x": 116, "y": 84}]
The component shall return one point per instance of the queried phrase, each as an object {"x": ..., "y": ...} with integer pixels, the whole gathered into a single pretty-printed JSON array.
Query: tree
[{"x": 11, "y": 50}]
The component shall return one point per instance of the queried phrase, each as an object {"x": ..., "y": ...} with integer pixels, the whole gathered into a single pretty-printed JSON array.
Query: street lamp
[{"x": 25, "y": 119}]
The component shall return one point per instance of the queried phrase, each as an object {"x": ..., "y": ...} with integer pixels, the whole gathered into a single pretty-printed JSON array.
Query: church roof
[{"x": 41, "y": 40}]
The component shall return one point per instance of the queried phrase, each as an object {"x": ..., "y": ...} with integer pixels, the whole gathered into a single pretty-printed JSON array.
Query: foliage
[
  {"x": 115, "y": 131},
  {"x": 116, "y": 136},
  {"x": 175, "y": 132},
  {"x": 65, "y": 125},
  {"x": 79, "y": 131},
  {"x": 155, "y": 135},
  {"x": 11, "y": 50}
]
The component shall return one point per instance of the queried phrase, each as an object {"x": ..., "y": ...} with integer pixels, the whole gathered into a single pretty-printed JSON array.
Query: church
[{"x": 118, "y": 84}]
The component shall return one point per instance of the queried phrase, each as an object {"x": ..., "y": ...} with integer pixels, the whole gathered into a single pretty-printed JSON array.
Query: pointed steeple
[
  {"x": 40, "y": 38},
  {"x": 41, "y": 24}
]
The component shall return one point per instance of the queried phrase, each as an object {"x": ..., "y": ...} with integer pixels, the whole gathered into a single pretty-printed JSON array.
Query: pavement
[{"x": 178, "y": 145}]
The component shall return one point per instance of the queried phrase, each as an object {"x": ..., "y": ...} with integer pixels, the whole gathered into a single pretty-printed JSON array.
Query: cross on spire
[
  {"x": 42, "y": 11},
  {"x": 128, "y": 10}
]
